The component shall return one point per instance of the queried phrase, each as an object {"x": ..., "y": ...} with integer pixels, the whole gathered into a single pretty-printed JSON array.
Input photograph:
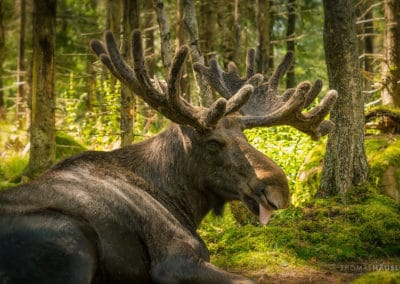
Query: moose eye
[{"x": 214, "y": 145}]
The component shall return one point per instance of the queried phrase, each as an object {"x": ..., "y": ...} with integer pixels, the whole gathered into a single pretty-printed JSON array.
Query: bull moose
[{"x": 130, "y": 215}]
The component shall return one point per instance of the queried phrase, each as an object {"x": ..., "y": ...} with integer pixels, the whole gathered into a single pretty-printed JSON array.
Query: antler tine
[
  {"x": 101, "y": 52},
  {"x": 171, "y": 104},
  {"x": 266, "y": 107},
  {"x": 229, "y": 83},
  {"x": 165, "y": 100},
  {"x": 250, "y": 62},
  {"x": 289, "y": 113},
  {"x": 280, "y": 71}
]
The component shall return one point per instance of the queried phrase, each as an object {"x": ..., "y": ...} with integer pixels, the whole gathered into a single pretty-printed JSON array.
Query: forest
[{"x": 57, "y": 99}]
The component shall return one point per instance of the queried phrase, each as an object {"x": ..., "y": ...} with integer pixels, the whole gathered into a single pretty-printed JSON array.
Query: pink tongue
[{"x": 265, "y": 214}]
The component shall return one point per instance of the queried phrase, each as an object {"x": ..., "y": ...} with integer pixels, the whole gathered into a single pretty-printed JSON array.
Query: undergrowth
[
  {"x": 328, "y": 231},
  {"x": 314, "y": 231}
]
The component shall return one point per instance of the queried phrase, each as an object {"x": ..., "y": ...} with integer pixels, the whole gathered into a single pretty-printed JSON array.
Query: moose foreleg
[{"x": 189, "y": 269}]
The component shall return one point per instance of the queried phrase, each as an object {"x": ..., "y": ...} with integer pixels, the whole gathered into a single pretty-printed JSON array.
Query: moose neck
[{"x": 164, "y": 162}]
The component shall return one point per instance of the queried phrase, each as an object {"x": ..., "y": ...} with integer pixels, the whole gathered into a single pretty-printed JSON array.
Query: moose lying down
[{"x": 130, "y": 215}]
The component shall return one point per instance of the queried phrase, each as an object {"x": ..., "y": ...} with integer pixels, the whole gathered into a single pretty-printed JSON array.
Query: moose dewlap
[{"x": 127, "y": 216}]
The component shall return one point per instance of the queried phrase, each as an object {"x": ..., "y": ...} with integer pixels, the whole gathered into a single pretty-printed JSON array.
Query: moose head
[
  {"x": 219, "y": 159},
  {"x": 130, "y": 215}
]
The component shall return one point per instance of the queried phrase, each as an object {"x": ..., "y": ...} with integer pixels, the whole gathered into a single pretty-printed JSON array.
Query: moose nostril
[{"x": 272, "y": 204}]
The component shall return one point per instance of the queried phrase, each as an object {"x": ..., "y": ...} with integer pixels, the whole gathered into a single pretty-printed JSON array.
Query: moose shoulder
[{"x": 131, "y": 215}]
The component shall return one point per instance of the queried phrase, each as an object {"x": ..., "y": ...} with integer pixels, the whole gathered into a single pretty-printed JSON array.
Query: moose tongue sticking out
[{"x": 265, "y": 215}]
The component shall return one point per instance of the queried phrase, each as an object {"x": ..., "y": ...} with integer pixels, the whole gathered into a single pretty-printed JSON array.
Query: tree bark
[
  {"x": 148, "y": 29},
  {"x": 262, "y": 9},
  {"x": 165, "y": 34},
  {"x": 2, "y": 58},
  {"x": 208, "y": 29},
  {"x": 345, "y": 163},
  {"x": 227, "y": 21},
  {"x": 189, "y": 23},
  {"x": 290, "y": 43},
  {"x": 113, "y": 23},
  {"x": 20, "y": 95},
  {"x": 391, "y": 63},
  {"x": 130, "y": 22},
  {"x": 181, "y": 38},
  {"x": 42, "y": 129}
]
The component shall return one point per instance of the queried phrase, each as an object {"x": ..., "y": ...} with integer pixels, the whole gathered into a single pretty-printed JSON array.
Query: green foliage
[
  {"x": 381, "y": 277},
  {"x": 66, "y": 146},
  {"x": 10, "y": 169},
  {"x": 285, "y": 145},
  {"x": 96, "y": 127}
]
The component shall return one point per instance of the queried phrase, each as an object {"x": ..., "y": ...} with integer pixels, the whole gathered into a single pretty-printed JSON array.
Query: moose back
[{"x": 130, "y": 215}]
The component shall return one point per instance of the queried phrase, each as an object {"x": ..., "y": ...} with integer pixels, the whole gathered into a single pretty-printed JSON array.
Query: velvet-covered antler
[
  {"x": 266, "y": 107},
  {"x": 166, "y": 100}
]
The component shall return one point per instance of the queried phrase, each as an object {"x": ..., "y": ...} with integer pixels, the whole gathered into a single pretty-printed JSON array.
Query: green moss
[
  {"x": 381, "y": 277},
  {"x": 327, "y": 231},
  {"x": 382, "y": 152},
  {"x": 308, "y": 176}
]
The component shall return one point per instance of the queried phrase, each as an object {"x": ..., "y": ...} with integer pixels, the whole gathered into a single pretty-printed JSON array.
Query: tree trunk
[
  {"x": 165, "y": 34},
  {"x": 262, "y": 10},
  {"x": 181, "y": 39},
  {"x": 345, "y": 163},
  {"x": 391, "y": 63},
  {"x": 191, "y": 28},
  {"x": 290, "y": 43},
  {"x": 130, "y": 22},
  {"x": 113, "y": 23},
  {"x": 208, "y": 29},
  {"x": 2, "y": 58},
  {"x": 42, "y": 129},
  {"x": 226, "y": 24},
  {"x": 148, "y": 29},
  {"x": 20, "y": 95},
  {"x": 365, "y": 32}
]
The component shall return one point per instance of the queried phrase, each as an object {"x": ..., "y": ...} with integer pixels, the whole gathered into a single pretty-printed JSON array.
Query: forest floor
[
  {"x": 299, "y": 275},
  {"x": 323, "y": 273}
]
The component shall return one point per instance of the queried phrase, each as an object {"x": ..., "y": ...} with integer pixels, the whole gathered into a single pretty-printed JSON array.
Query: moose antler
[
  {"x": 166, "y": 100},
  {"x": 266, "y": 107}
]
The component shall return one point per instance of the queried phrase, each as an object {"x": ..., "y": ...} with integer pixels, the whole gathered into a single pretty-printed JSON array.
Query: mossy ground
[{"x": 316, "y": 235}]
